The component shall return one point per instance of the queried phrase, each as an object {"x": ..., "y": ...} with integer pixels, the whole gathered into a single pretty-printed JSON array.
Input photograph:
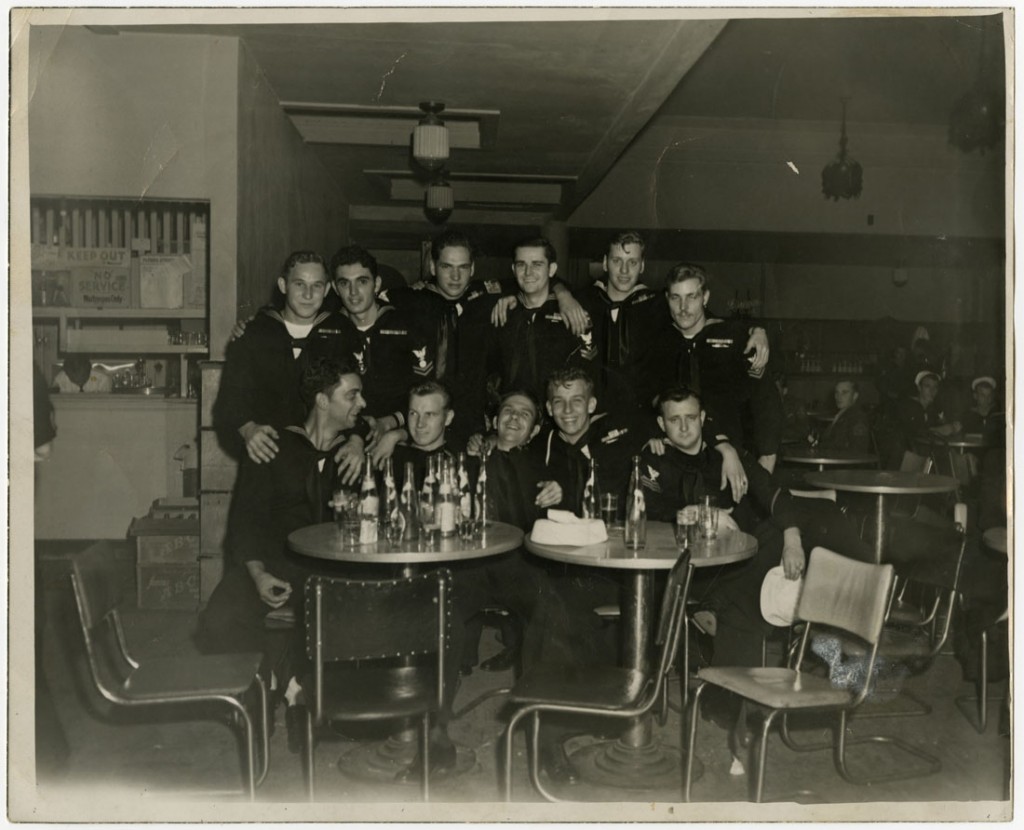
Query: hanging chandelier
[
  {"x": 438, "y": 201},
  {"x": 430, "y": 137},
  {"x": 842, "y": 178}
]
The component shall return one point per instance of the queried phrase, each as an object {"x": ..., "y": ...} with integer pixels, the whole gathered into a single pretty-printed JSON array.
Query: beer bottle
[
  {"x": 369, "y": 505},
  {"x": 591, "y": 497},
  {"x": 636, "y": 511}
]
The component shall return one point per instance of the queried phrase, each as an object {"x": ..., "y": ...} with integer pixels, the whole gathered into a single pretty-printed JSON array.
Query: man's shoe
[
  {"x": 554, "y": 761},
  {"x": 295, "y": 723}
]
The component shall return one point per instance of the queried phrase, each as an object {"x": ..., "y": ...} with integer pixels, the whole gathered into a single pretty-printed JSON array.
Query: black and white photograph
[{"x": 510, "y": 414}]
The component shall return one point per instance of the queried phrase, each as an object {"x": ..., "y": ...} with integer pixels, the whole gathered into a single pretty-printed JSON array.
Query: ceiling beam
[{"x": 666, "y": 69}]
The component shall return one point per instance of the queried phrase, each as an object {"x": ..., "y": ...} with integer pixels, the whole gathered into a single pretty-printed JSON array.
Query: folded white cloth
[{"x": 565, "y": 528}]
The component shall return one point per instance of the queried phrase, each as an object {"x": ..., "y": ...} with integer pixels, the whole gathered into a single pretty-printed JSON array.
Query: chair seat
[
  {"x": 182, "y": 678},
  {"x": 362, "y": 693},
  {"x": 905, "y": 613},
  {"x": 777, "y": 688},
  {"x": 597, "y": 687}
]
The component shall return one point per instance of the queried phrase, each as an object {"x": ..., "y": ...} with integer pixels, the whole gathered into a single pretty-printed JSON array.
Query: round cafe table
[
  {"x": 822, "y": 458},
  {"x": 636, "y": 760},
  {"x": 882, "y": 484},
  {"x": 383, "y": 760},
  {"x": 995, "y": 538}
]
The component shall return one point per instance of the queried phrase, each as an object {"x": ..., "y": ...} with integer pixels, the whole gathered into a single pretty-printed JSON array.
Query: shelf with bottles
[
  {"x": 838, "y": 364},
  {"x": 114, "y": 277}
]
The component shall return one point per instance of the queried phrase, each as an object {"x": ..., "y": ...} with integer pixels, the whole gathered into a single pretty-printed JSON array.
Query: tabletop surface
[
  {"x": 882, "y": 481},
  {"x": 660, "y": 552},
  {"x": 995, "y": 538},
  {"x": 961, "y": 439},
  {"x": 323, "y": 541},
  {"x": 815, "y": 455}
]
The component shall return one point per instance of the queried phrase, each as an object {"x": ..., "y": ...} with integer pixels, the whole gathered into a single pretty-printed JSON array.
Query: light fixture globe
[
  {"x": 430, "y": 137},
  {"x": 842, "y": 178},
  {"x": 438, "y": 201}
]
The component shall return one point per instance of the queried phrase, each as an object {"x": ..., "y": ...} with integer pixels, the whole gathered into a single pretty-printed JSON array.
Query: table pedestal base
[
  {"x": 616, "y": 764},
  {"x": 381, "y": 761}
]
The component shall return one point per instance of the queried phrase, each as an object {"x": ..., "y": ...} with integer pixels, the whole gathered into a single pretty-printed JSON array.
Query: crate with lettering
[{"x": 167, "y": 565}]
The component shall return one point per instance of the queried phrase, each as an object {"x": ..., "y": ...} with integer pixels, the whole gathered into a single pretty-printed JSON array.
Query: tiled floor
[{"x": 147, "y": 757}]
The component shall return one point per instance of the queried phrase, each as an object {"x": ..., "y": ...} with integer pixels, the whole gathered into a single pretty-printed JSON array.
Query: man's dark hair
[
  {"x": 686, "y": 271},
  {"x": 450, "y": 239},
  {"x": 353, "y": 255},
  {"x": 432, "y": 387},
  {"x": 537, "y": 242},
  {"x": 570, "y": 374},
  {"x": 323, "y": 374},
  {"x": 676, "y": 394},
  {"x": 301, "y": 258},
  {"x": 521, "y": 393},
  {"x": 624, "y": 238}
]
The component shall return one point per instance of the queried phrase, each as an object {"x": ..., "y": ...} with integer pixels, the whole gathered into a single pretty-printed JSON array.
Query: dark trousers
[{"x": 234, "y": 621}]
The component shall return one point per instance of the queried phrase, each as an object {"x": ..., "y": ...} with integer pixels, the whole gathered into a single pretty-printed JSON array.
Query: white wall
[
  {"x": 134, "y": 115},
  {"x": 731, "y": 174}
]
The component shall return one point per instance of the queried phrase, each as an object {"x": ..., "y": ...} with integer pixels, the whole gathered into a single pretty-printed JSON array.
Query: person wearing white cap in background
[
  {"x": 986, "y": 416},
  {"x": 922, "y": 413}
]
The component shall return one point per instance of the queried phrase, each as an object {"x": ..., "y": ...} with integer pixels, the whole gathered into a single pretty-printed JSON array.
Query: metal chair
[
  {"x": 221, "y": 679},
  {"x": 979, "y": 621},
  {"x": 838, "y": 592},
  {"x": 607, "y": 691},
  {"x": 912, "y": 635},
  {"x": 366, "y": 640}
]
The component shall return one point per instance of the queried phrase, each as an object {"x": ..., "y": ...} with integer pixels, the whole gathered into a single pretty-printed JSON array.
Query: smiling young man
[
  {"x": 394, "y": 350},
  {"x": 534, "y": 341},
  {"x": 259, "y": 388}
]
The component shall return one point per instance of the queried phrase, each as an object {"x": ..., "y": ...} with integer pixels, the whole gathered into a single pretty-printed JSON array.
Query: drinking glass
[
  {"x": 686, "y": 528},
  {"x": 346, "y": 516},
  {"x": 469, "y": 529},
  {"x": 708, "y": 518},
  {"x": 610, "y": 511}
]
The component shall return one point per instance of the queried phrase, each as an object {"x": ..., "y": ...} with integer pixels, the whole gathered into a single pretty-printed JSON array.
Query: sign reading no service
[{"x": 99, "y": 276}]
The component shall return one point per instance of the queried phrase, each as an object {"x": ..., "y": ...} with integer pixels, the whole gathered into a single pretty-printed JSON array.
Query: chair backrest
[
  {"x": 673, "y": 607},
  {"x": 349, "y": 619},
  {"x": 98, "y": 593},
  {"x": 847, "y": 594},
  {"x": 914, "y": 463}
]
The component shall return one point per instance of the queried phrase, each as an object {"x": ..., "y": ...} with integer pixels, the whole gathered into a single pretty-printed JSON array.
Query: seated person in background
[
  {"x": 850, "y": 429},
  {"x": 986, "y": 417},
  {"x": 271, "y": 499},
  {"x": 920, "y": 415}
]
